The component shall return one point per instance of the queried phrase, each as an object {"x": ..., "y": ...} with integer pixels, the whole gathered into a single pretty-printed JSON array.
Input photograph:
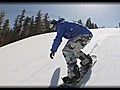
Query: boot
[
  {"x": 84, "y": 68},
  {"x": 86, "y": 61},
  {"x": 89, "y": 57},
  {"x": 68, "y": 79},
  {"x": 77, "y": 73}
]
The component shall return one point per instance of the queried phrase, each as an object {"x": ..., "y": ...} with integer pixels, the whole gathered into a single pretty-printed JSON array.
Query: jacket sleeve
[{"x": 58, "y": 38}]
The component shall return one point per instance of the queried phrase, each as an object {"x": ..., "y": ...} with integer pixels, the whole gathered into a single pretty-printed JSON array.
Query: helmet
[
  {"x": 61, "y": 19},
  {"x": 53, "y": 22}
]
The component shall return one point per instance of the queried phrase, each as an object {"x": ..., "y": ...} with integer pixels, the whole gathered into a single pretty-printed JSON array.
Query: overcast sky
[{"x": 103, "y": 14}]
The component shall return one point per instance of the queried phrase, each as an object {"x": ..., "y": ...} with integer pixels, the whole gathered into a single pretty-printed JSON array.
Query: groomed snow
[{"x": 26, "y": 63}]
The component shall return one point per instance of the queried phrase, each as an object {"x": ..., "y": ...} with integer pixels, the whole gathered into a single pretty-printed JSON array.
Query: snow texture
[{"x": 26, "y": 63}]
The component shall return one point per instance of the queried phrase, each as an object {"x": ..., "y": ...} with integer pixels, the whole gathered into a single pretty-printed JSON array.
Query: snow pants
[{"x": 72, "y": 51}]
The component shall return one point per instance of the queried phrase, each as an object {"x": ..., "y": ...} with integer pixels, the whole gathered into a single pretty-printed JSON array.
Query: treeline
[
  {"x": 28, "y": 26},
  {"x": 88, "y": 23},
  {"x": 23, "y": 27}
]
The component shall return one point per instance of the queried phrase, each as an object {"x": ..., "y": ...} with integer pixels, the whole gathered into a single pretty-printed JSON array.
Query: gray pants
[{"x": 72, "y": 51}]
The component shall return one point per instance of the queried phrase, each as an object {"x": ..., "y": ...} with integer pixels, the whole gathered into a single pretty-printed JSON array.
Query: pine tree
[
  {"x": 19, "y": 23},
  {"x": 88, "y": 22},
  {"x": 16, "y": 25},
  {"x": 80, "y": 22},
  {"x": 95, "y": 26},
  {"x": 91, "y": 26},
  {"x": 6, "y": 25},
  {"x": 46, "y": 23},
  {"x": 16, "y": 30},
  {"x": 26, "y": 26},
  {"x": 21, "y": 20},
  {"x": 38, "y": 23},
  {"x": 5, "y": 32},
  {"x": 2, "y": 14},
  {"x": 32, "y": 27}
]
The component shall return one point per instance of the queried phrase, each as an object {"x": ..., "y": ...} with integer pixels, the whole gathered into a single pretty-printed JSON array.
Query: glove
[{"x": 52, "y": 54}]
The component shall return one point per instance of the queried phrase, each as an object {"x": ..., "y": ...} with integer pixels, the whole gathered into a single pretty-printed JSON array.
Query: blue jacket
[{"x": 67, "y": 30}]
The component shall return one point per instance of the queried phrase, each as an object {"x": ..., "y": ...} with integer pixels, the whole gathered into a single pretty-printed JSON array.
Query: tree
[
  {"x": 91, "y": 26},
  {"x": 16, "y": 30},
  {"x": 21, "y": 19},
  {"x": 95, "y": 26},
  {"x": 46, "y": 22},
  {"x": 6, "y": 25},
  {"x": 32, "y": 27},
  {"x": 5, "y": 32},
  {"x": 26, "y": 26},
  {"x": 88, "y": 22},
  {"x": 38, "y": 23},
  {"x": 19, "y": 22},
  {"x": 18, "y": 26},
  {"x": 80, "y": 22},
  {"x": 2, "y": 14}
]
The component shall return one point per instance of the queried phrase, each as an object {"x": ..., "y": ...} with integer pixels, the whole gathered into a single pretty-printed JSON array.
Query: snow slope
[{"x": 26, "y": 63}]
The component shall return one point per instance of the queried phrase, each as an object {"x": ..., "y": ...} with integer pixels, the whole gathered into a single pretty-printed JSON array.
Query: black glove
[{"x": 52, "y": 54}]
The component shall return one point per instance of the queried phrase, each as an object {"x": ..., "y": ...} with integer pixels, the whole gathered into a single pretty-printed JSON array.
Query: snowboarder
[{"x": 78, "y": 37}]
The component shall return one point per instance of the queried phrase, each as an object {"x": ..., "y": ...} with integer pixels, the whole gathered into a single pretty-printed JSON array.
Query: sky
[
  {"x": 26, "y": 63},
  {"x": 103, "y": 14}
]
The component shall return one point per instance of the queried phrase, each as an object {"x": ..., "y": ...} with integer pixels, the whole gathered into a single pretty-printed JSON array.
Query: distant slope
[{"x": 27, "y": 62}]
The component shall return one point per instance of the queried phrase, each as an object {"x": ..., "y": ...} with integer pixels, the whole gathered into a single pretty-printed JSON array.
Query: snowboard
[{"x": 80, "y": 83}]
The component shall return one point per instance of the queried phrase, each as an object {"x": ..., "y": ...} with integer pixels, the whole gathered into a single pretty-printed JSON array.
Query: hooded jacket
[{"x": 67, "y": 30}]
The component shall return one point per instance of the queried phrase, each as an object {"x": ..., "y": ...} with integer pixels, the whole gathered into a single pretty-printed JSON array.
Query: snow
[{"x": 26, "y": 63}]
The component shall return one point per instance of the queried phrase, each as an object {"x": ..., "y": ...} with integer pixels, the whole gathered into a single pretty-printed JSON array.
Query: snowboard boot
[
  {"x": 74, "y": 78},
  {"x": 83, "y": 70},
  {"x": 76, "y": 71},
  {"x": 67, "y": 80},
  {"x": 84, "y": 67}
]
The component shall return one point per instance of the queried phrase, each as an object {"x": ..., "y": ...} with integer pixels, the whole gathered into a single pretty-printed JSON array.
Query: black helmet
[
  {"x": 61, "y": 19},
  {"x": 54, "y": 22}
]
